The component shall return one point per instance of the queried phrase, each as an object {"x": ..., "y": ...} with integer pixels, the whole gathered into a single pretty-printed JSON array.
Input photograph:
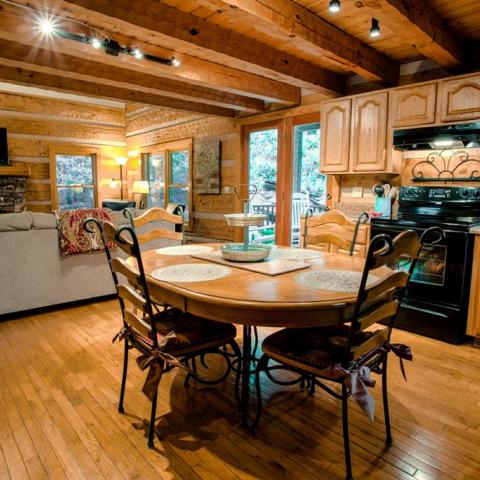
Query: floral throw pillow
[{"x": 73, "y": 237}]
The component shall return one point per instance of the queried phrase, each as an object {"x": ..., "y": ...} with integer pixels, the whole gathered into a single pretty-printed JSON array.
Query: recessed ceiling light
[
  {"x": 375, "y": 28},
  {"x": 334, "y": 6}
]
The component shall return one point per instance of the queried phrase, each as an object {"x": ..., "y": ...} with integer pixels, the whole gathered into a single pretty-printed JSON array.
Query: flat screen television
[{"x": 3, "y": 147}]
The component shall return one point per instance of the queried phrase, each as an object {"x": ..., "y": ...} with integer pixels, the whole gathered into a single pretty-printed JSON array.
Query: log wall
[
  {"x": 150, "y": 126},
  {"x": 34, "y": 124}
]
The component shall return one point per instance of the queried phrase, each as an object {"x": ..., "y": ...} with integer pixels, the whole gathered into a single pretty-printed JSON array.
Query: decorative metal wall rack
[{"x": 446, "y": 163}]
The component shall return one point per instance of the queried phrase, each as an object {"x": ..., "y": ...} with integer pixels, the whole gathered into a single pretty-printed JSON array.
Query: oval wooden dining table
[{"x": 255, "y": 299}]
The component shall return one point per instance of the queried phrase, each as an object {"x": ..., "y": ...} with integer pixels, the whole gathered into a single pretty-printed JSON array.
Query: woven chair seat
[
  {"x": 191, "y": 333},
  {"x": 316, "y": 350}
]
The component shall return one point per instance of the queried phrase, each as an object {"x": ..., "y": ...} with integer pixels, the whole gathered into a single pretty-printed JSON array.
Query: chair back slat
[
  {"x": 330, "y": 239},
  {"x": 377, "y": 314},
  {"x": 391, "y": 281},
  {"x": 157, "y": 215},
  {"x": 114, "y": 235},
  {"x": 119, "y": 265},
  {"x": 376, "y": 340},
  {"x": 130, "y": 295},
  {"x": 137, "y": 323},
  {"x": 159, "y": 233}
]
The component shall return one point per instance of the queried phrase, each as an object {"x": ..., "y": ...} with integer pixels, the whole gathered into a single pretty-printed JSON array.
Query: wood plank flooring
[{"x": 59, "y": 383}]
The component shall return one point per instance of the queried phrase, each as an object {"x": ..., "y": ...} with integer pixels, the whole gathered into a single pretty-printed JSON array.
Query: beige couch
[{"x": 33, "y": 272}]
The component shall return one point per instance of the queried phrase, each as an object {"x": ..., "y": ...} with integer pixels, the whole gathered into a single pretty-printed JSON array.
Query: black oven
[{"x": 436, "y": 301}]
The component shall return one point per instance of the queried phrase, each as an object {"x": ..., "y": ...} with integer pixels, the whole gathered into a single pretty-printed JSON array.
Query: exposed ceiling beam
[
  {"x": 290, "y": 22},
  {"x": 419, "y": 24},
  {"x": 11, "y": 72},
  {"x": 160, "y": 24},
  {"x": 18, "y": 25},
  {"x": 74, "y": 67}
]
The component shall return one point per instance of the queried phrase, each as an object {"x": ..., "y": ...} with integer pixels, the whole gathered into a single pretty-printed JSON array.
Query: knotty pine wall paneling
[
  {"x": 35, "y": 124},
  {"x": 149, "y": 126}
]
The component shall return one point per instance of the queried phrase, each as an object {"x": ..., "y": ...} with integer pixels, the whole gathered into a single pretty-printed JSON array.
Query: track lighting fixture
[
  {"x": 375, "y": 28},
  {"x": 96, "y": 43},
  {"x": 334, "y": 6}
]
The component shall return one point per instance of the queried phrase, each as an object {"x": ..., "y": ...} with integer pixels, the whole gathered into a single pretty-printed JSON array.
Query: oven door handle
[{"x": 423, "y": 310}]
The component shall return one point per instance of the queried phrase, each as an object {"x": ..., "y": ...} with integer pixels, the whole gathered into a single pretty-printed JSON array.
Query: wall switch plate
[
  {"x": 357, "y": 192},
  {"x": 227, "y": 189}
]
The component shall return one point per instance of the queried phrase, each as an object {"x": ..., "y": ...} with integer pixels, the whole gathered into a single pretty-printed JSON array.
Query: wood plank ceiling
[{"x": 236, "y": 55}]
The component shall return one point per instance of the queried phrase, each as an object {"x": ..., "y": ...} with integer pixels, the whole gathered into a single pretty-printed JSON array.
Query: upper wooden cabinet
[
  {"x": 335, "y": 136},
  {"x": 369, "y": 133},
  {"x": 412, "y": 106},
  {"x": 459, "y": 99}
]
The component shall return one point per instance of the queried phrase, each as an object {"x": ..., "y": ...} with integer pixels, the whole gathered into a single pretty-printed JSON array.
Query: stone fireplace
[{"x": 12, "y": 194}]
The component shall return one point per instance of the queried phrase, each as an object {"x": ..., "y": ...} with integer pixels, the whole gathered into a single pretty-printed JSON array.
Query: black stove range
[{"x": 436, "y": 301}]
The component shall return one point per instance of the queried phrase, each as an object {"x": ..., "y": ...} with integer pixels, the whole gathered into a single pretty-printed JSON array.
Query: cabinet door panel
[
  {"x": 459, "y": 99},
  {"x": 335, "y": 136},
  {"x": 413, "y": 105},
  {"x": 369, "y": 133}
]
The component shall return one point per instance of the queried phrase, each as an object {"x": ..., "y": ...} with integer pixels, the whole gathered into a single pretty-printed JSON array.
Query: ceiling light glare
[
  {"x": 137, "y": 53},
  {"x": 96, "y": 43}
]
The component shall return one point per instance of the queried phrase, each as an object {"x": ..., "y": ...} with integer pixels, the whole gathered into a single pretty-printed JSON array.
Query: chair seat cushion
[
  {"x": 191, "y": 333},
  {"x": 316, "y": 350}
]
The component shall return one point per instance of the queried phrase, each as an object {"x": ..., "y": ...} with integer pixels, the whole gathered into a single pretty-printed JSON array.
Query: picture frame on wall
[{"x": 207, "y": 168}]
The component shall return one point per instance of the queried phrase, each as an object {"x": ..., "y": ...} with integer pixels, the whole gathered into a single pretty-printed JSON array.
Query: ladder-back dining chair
[
  {"x": 346, "y": 354},
  {"x": 167, "y": 339},
  {"x": 333, "y": 231},
  {"x": 161, "y": 221}
]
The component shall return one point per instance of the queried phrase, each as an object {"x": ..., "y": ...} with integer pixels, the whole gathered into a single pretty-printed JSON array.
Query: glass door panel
[
  {"x": 156, "y": 179},
  {"x": 262, "y": 172},
  {"x": 308, "y": 185}
]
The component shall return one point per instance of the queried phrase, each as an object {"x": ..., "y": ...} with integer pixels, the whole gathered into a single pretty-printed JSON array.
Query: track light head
[
  {"x": 47, "y": 25},
  {"x": 334, "y": 6},
  {"x": 137, "y": 53},
  {"x": 96, "y": 43},
  {"x": 375, "y": 28}
]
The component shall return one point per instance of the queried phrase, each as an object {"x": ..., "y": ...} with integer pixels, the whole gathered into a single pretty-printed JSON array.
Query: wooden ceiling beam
[
  {"x": 21, "y": 75},
  {"x": 156, "y": 23},
  {"x": 292, "y": 23},
  {"x": 419, "y": 24},
  {"x": 74, "y": 67},
  {"x": 17, "y": 25}
]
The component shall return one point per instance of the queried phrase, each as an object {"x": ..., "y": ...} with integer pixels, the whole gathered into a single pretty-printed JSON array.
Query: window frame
[
  {"x": 54, "y": 151},
  {"x": 168, "y": 148}
]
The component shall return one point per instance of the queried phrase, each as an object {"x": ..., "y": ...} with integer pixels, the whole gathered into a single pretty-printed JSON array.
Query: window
[
  {"x": 168, "y": 169},
  {"x": 74, "y": 174}
]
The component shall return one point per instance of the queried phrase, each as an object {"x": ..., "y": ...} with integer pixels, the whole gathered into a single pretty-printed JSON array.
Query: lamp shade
[
  {"x": 121, "y": 160},
  {"x": 140, "y": 186}
]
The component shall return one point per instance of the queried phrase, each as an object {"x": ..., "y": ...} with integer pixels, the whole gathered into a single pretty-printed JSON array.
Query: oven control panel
[{"x": 440, "y": 194}]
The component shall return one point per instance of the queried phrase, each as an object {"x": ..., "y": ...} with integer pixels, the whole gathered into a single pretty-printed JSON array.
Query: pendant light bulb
[
  {"x": 375, "y": 28},
  {"x": 334, "y": 6}
]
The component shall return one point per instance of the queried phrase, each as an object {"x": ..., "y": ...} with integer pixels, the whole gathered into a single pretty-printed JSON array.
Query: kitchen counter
[{"x": 475, "y": 230}]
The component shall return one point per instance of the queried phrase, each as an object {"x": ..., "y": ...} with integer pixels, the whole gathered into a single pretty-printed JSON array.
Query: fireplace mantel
[{"x": 16, "y": 169}]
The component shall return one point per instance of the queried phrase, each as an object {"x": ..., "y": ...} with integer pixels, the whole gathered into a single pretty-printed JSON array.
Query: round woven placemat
[
  {"x": 333, "y": 280},
  {"x": 293, "y": 254},
  {"x": 184, "y": 250},
  {"x": 191, "y": 272}
]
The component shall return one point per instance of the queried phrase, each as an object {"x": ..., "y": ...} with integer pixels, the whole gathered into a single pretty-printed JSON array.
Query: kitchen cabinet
[
  {"x": 459, "y": 99},
  {"x": 473, "y": 325},
  {"x": 368, "y": 146},
  {"x": 411, "y": 106},
  {"x": 335, "y": 119}
]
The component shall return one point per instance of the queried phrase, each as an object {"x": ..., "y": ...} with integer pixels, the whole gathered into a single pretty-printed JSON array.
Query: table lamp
[{"x": 141, "y": 187}]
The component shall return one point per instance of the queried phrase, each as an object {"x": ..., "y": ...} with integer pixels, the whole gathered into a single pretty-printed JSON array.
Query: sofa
[{"x": 35, "y": 274}]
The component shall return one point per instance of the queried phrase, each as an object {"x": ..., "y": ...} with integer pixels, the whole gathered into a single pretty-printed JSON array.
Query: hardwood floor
[{"x": 59, "y": 384}]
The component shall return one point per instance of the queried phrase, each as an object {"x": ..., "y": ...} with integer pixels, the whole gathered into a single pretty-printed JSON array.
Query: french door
[{"x": 282, "y": 159}]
